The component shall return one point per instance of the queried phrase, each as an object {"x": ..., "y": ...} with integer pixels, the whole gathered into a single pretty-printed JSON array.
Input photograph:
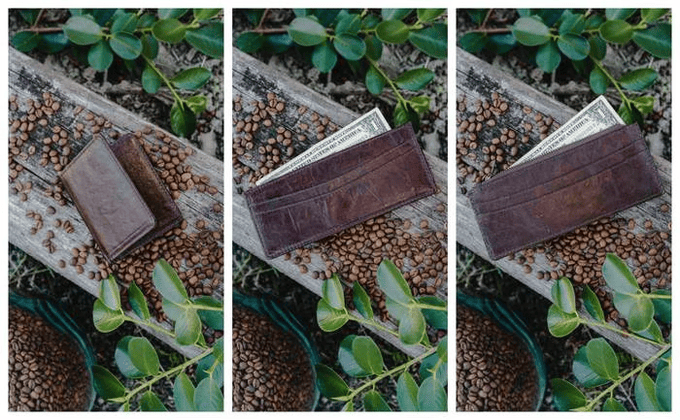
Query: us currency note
[
  {"x": 363, "y": 128},
  {"x": 595, "y": 117}
]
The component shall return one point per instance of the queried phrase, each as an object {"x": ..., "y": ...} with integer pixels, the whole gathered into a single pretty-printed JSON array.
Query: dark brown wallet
[
  {"x": 564, "y": 189},
  {"x": 340, "y": 190},
  {"x": 119, "y": 195}
]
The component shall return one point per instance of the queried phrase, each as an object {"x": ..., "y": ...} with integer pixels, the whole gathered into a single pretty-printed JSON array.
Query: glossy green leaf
[
  {"x": 664, "y": 361},
  {"x": 171, "y": 13},
  {"x": 663, "y": 307},
  {"x": 329, "y": 318},
  {"x": 53, "y": 43},
  {"x": 598, "y": 47},
  {"x": 188, "y": 328},
  {"x": 563, "y": 296},
  {"x": 204, "y": 14},
  {"x": 403, "y": 114},
  {"x": 124, "y": 361},
  {"x": 531, "y": 32},
  {"x": 573, "y": 46},
  {"x": 561, "y": 323},
  {"x": 621, "y": 14},
  {"x": 333, "y": 293},
  {"x": 583, "y": 373},
  {"x": 149, "y": 46},
  {"x": 191, "y": 79},
  {"x": 548, "y": 57},
  {"x": 349, "y": 24},
  {"x": 151, "y": 402},
  {"x": 652, "y": 332},
  {"x": 639, "y": 79},
  {"x": 125, "y": 45},
  {"x": 349, "y": 46},
  {"x": 431, "y": 40},
  {"x": 602, "y": 358},
  {"x": 330, "y": 384},
  {"x": 169, "y": 30},
  {"x": 392, "y": 283},
  {"x": 124, "y": 22},
  {"x": 146, "y": 20},
  {"x": 208, "y": 395},
  {"x": 82, "y": 30},
  {"x": 349, "y": 406},
  {"x": 428, "y": 15},
  {"x": 375, "y": 82},
  {"x": 431, "y": 395},
  {"x": 473, "y": 42},
  {"x": 143, "y": 355},
  {"x": 307, "y": 31},
  {"x": 443, "y": 349},
  {"x": 407, "y": 392},
  {"x": 656, "y": 40},
  {"x": 663, "y": 389},
  {"x": 374, "y": 47},
  {"x": 592, "y": 304},
  {"x": 645, "y": 393},
  {"x": 213, "y": 319},
  {"x": 392, "y": 31},
  {"x": 29, "y": 15},
  {"x": 644, "y": 104},
  {"x": 367, "y": 354},
  {"x": 183, "y": 393},
  {"x": 328, "y": 17},
  {"x": 637, "y": 309},
  {"x": 362, "y": 302},
  {"x": 652, "y": 15},
  {"x": 572, "y": 23},
  {"x": 373, "y": 401},
  {"x": 566, "y": 396},
  {"x": 412, "y": 327},
  {"x": 594, "y": 21},
  {"x": 25, "y": 41},
  {"x": 618, "y": 276},
  {"x": 432, "y": 366},
  {"x": 616, "y": 31},
  {"x": 106, "y": 384},
  {"x": 168, "y": 283},
  {"x": 277, "y": 43},
  {"x": 208, "y": 39},
  {"x": 138, "y": 302},
  {"x": 324, "y": 57},
  {"x": 207, "y": 367},
  {"x": 435, "y": 319},
  {"x": 501, "y": 43},
  {"x": 549, "y": 16},
  {"x": 109, "y": 293},
  {"x": 395, "y": 309},
  {"x": 478, "y": 15},
  {"x": 415, "y": 79},
  {"x": 613, "y": 405},
  {"x": 249, "y": 42},
  {"x": 394, "y": 14},
  {"x": 346, "y": 358},
  {"x": 106, "y": 319},
  {"x": 151, "y": 80}
]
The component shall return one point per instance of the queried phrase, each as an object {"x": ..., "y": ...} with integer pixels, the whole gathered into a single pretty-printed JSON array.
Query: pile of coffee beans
[
  {"x": 47, "y": 370},
  {"x": 494, "y": 369},
  {"x": 271, "y": 370}
]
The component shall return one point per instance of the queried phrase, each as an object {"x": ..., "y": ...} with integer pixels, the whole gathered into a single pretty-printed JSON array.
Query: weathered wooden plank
[
  {"x": 252, "y": 81},
  {"x": 476, "y": 80},
  {"x": 28, "y": 80}
]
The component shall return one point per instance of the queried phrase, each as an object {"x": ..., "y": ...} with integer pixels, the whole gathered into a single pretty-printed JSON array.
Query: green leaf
[
  {"x": 663, "y": 389},
  {"x": 327, "y": 17},
  {"x": 531, "y": 32},
  {"x": 367, "y": 354},
  {"x": 183, "y": 392},
  {"x": 107, "y": 386},
  {"x": 208, "y": 39},
  {"x": 205, "y": 14},
  {"x": 663, "y": 307},
  {"x": 191, "y": 79},
  {"x": 566, "y": 396},
  {"x": 349, "y": 406},
  {"x": 392, "y": 31},
  {"x": 407, "y": 392},
  {"x": 594, "y": 21},
  {"x": 639, "y": 79},
  {"x": 652, "y": 15},
  {"x": 143, "y": 356},
  {"x": 168, "y": 283},
  {"x": 432, "y": 366},
  {"x": 109, "y": 293},
  {"x": 572, "y": 23},
  {"x": 653, "y": 332},
  {"x": 395, "y": 14},
  {"x": 375, "y": 82},
  {"x": 278, "y": 43},
  {"x": 124, "y": 22},
  {"x": 332, "y": 292},
  {"x": 428, "y": 15},
  {"x": 213, "y": 319},
  {"x": 435, "y": 319},
  {"x": 621, "y": 14},
  {"x": 306, "y": 31},
  {"x": 403, "y": 114},
  {"x": 125, "y": 45},
  {"x": 82, "y": 30},
  {"x": 548, "y": 57},
  {"x": 151, "y": 80},
  {"x": 29, "y": 15},
  {"x": 638, "y": 310},
  {"x": 53, "y": 43},
  {"x": 561, "y": 323},
  {"x": 613, "y": 405},
  {"x": 146, "y": 21},
  {"x": 473, "y": 42},
  {"x": 208, "y": 368},
  {"x": 347, "y": 360},
  {"x": 329, "y": 318},
  {"x": 149, "y": 46},
  {"x": 501, "y": 43},
  {"x": 412, "y": 327},
  {"x": 373, "y": 401},
  {"x": 249, "y": 42},
  {"x": 592, "y": 304},
  {"x": 169, "y": 30},
  {"x": 431, "y": 395},
  {"x": 392, "y": 283},
  {"x": 616, "y": 31},
  {"x": 549, "y": 16},
  {"x": 431, "y": 40},
  {"x": 583, "y": 372},
  {"x": 124, "y": 361},
  {"x": 602, "y": 359},
  {"x": 415, "y": 79},
  {"x": 573, "y": 46},
  {"x": 171, "y": 13},
  {"x": 349, "y": 24},
  {"x": 396, "y": 309},
  {"x": 645, "y": 393},
  {"x": 443, "y": 349},
  {"x": 563, "y": 296},
  {"x": 362, "y": 302},
  {"x": 644, "y": 104},
  {"x": 598, "y": 47},
  {"x": 25, "y": 41},
  {"x": 188, "y": 328},
  {"x": 106, "y": 319},
  {"x": 208, "y": 395},
  {"x": 349, "y": 46},
  {"x": 151, "y": 402},
  {"x": 324, "y": 57},
  {"x": 656, "y": 40},
  {"x": 330, "y": 384},
  {"x": 374, "y": 47},
  {"x": 618, "y": 276},
  {"x": 599, "y": 82}
]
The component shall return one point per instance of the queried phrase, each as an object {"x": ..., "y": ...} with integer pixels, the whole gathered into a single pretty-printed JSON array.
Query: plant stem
[
  {"x": 610, "y": 328},
  {"x": 206, "y": 308},
  {"x": 372, "y": 323},
  {"x": 611, "y": 78},
  {"x": 394, "y": 87},
  {"x": 151, "y": 325},
  {"x": 432, "y": 307},
  {"x": 151, "y": 64},
  {"x": 655, "y": 296}
]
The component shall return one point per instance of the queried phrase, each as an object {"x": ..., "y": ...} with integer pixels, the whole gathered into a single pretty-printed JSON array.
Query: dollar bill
[
  {"x": 363, "y": 128},
  {"x": 595, "y": 117}
]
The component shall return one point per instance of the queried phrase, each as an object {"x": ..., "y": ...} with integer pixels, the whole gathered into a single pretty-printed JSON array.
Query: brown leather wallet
[
  {"x": 564, "y": 189},
  {"x": 340, "y": 190},
  {"x": 119, "y": 196}
]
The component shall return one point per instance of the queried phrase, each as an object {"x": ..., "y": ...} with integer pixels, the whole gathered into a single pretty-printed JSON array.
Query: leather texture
[
  {"x": 569, "y": 187},
  {"x": 339, "y": 191}
]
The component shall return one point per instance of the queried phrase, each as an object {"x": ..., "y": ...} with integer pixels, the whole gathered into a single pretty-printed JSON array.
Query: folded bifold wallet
[
  {"x": 119, "y": 195},
  {"x": 339, "y": 191},
  {"x": 564, "y": 189}
]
